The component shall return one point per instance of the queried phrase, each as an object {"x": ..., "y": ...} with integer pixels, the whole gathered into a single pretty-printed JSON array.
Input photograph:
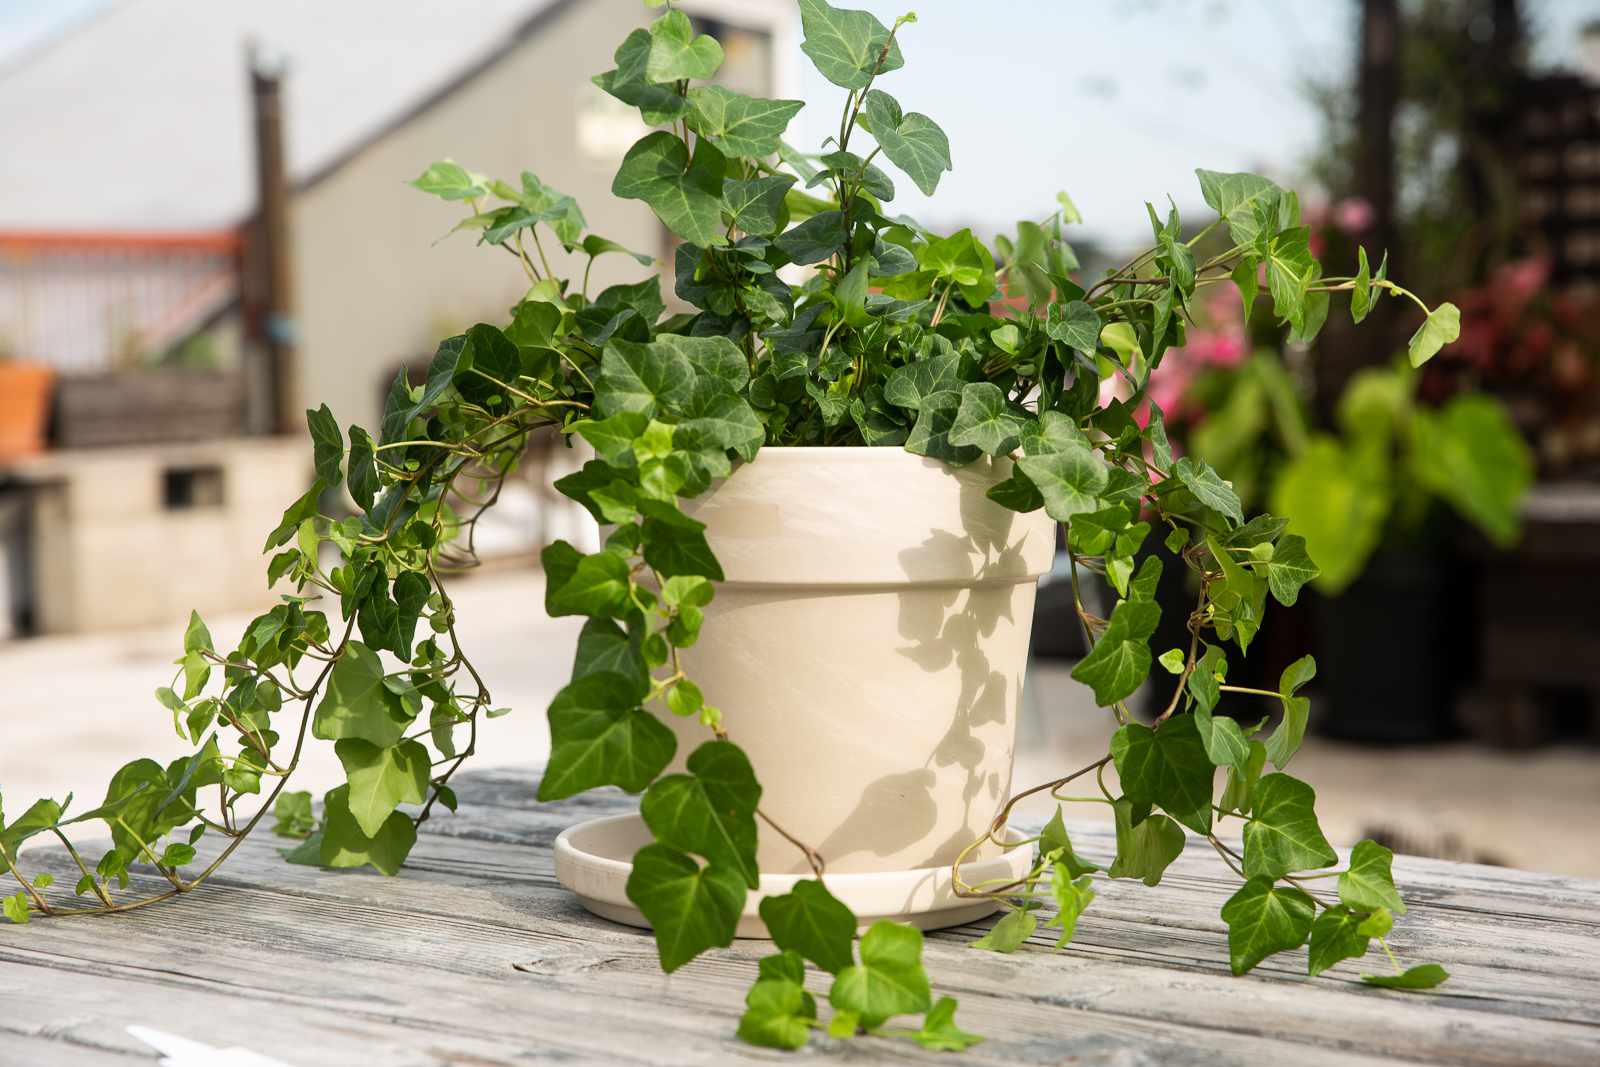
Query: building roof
[{"x": 140, "y": 117}]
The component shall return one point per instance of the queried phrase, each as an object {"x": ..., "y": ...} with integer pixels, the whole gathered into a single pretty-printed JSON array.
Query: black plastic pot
[{"x": 1391, "y": 648}]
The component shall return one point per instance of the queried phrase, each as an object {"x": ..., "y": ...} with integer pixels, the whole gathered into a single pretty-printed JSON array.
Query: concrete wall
[{"x": 373, "y": 286}]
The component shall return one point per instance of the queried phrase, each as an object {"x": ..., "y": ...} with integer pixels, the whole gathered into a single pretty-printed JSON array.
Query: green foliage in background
[{"x": 893, "y": 339}]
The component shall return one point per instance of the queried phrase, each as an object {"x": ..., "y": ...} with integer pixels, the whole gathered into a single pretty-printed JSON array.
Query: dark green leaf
[
  {"x": 597, "y": 737},
  {"x": 598, "y": 586},
  {"x": 1070, "y": 479},
  {"x": 358, "y": 703},
  {"x": 1264, "y": 918},
  {"x": 685, "y": 194},
  {"x": 1144, "y": 848},
  {"x": 1076, "y": 325},
  {"x": 363, "y": 468},
  {"x": 1208, "y": 487},
  {"x": 913, "y": 142},
  {"x": 756, "y": 204},
  {"x": 1335, "y": 936},
  {"x": 642, "y": 378},
  {"x": 985, "y": 421},
  {"x": 327, "y": 444},
  {"x": 1120, "y": 659},
  {"x": 1169, "y": 767},
  {"x": 737, "y": 124},
  {"x": 814, "y": 240},
  {"x": 847, "y": 47},
  {"x": 1053, "y": 841},
  {"x": 1282, "y": 835},
  {"x": 711, "y": 810},
  {"x": 345, "y": 844},
  {"x": 690, "y": 907},
  {"x": 809, "y": 920}
]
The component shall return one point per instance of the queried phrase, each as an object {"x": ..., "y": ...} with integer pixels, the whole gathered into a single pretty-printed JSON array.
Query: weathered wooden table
[{"x": 474, "y": 955}]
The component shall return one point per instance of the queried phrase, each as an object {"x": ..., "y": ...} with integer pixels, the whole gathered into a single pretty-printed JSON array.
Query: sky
[{"x": 1114, "y": 103}]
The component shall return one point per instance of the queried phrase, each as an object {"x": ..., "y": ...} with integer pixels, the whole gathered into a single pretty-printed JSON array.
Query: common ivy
[{"x": 893, "y": 337}]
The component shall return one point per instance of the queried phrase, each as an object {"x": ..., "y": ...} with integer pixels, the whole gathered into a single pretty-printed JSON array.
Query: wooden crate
[{"x": 147, "y": 407}]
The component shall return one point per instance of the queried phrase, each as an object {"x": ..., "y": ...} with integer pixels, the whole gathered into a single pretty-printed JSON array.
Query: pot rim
[{"x": 792, "y": 452}]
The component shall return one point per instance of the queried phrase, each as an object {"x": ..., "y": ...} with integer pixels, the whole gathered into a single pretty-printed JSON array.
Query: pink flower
[{"x": 1353, "y": 215}]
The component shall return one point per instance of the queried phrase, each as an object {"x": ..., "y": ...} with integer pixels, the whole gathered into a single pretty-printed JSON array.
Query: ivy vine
[{"x": 894, "y": 338}]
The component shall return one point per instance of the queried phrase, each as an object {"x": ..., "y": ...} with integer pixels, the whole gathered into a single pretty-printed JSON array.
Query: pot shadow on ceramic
[{"x": 956, "y": 623}]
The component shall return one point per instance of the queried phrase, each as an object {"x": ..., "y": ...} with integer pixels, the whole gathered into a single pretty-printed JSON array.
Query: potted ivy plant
[{"x": 876, "y": 441}]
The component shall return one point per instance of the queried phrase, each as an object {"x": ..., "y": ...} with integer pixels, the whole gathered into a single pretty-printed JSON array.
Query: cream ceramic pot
[{"x": 868, "y": 647}]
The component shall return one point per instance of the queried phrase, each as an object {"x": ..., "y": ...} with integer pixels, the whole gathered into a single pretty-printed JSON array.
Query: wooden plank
[{"x": 475, "y": 948}]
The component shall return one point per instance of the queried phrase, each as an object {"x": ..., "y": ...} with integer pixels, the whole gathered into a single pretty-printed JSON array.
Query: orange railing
[{"x": 93, "y": 301}]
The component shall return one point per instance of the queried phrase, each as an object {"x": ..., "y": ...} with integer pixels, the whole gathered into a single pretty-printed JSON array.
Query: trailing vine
[{"x": 895, "y": 337}]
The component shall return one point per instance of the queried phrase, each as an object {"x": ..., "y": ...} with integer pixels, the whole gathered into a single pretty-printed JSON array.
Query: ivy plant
[{"x": 814, "y": 317}]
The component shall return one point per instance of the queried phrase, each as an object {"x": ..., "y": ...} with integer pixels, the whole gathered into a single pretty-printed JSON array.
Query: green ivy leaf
[
  {"x": 778, "y": 1014},
  {"x": 292, "y": 812},
  {"x": 912, "y": 141},
  {"x": 756, "y": 204},
  {"x": 327, "y": 445},
  {"x": 685, "y": 193},
  {"x": 1144, "y": 848},
  {"x": 449, "y": 180},
  {"x": 1289, "y": 569},
  {"x": 1009, "y": 933},
  {"x": 358, "y": 704},
  {"x": 939, "y": 1031},
  {"x": 1240, "y": 790},
  {"x": 737, "y": 124},
  {"x": 642, "y": 378},
  {"x": 814, "y": 240},
  {"x": 381, "y": 779},
  {"x": 1072, "y": 898},
  {"x": 606, "y": 648},
  {"x": 1422, "y": 976},
  {"x": 1168, "y": 767},
  {"x": 1282, "y": 835},
  {"x": 677, "y": 53},
  {"x": 363, "y": 468},
  {"x": 930, "y": 434},
  {"x": 598, "y": 586},
  {"x": 719, "y": 420},
  {"x": 1121, "y": 659},
  {"x": 1285, "y": 740},
  {"x": 297, "y": 513},
  {"x": 630, "y": 82},
  {"x": 711, "y": 810},
  {"x": 1368, "y": 884},
  {"x": 1472, "y": 454},
  {"x": 889, "y": 980},
  {"x": 1053, "y": 841},
  {"x": 908, "y": 386},
  {"x": 810, "y": 921},
  {"x": 1264, "y": 918},
  {"x": 16, "y": 907},
  {"x": 847, "y": 47},
  {"x": 675, "y": 544},
  {"x": 1242, "y": 200},
  {"x": 1335, "y": 935},
  {"x": 985, "y": 421},
  {"x": 1208, "y": 487},
  {"x": 1225, "y": 743},
  {"x": 690, "y": 907},
  {"x": 345, "y": 844},
  {"x": 1442, "y": 326},
  {"x": 597, "y": 737},
  {"x": 1070, "y": 479},
  {"x": 1076, "y": 325}
]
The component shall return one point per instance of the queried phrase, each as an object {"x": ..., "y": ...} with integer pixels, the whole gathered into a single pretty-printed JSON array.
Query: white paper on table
[{"x": 181, "y": 1052}]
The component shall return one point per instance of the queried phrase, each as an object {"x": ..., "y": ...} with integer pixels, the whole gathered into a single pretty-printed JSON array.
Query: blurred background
[{"x": 204, "y": 230}]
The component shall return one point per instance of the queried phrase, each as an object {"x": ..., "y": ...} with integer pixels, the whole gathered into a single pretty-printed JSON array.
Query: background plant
[{"x": 890, "y": 340}]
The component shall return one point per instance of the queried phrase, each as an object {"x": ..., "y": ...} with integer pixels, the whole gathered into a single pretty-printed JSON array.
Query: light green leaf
[
  {"x": 889, "y": 980},
  {"x": 358, "y": 704},
  {"x": 1282, "y": 835},
  {"x": 685, "y": 194},
  {"x": 1072, "y": 898},
  {"x": 711, "y": 810},
  {"x": 1053, "y": 840},
  {"x": 292, "y": 812},
  {"x": 16, "y": 907},
  {"x": 448, "y": 180},
  {"x": 1442, "y": 326},
  {"x": 809, "y": 920},
  {"x": 1009, "y": 933},
  {"x": 1422, "y": 976},
  {"x": 381, "y": 779},
  {"x": 778, "y": 1014},
  {"x": 1242, "y": 200},
  {"x": 690, "y": 907},
  {"x": 630, "y": 82},
  {"x": 1338, "y": 501},
  {"x": 1285, "y": 740},
  {"x": 1368, "y": 884},
  {"x": 1121, "y": 659},
  {"x": 847, "y": 47},
  {"x": 677, "y": 53},
  {"x": 1264, "y": 918},
  {"x": 1145, "y": 848},
  {"x": 737, "y": 124},
  {"x": 1168, "y": 767},
  {"x": 1471, "y": 453},
  {"x": 345, "y": 844},
  {"x": 1070, "y": 480},
  {"x": 598, "y": 738},
  {"x": 939, "y": 1031},
  {"x": 985, "y": 421},
  {"x": 1240, "y": 790}
]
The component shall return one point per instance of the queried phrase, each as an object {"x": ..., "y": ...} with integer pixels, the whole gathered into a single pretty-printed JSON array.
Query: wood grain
[{"x": 474, "y": 955}]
